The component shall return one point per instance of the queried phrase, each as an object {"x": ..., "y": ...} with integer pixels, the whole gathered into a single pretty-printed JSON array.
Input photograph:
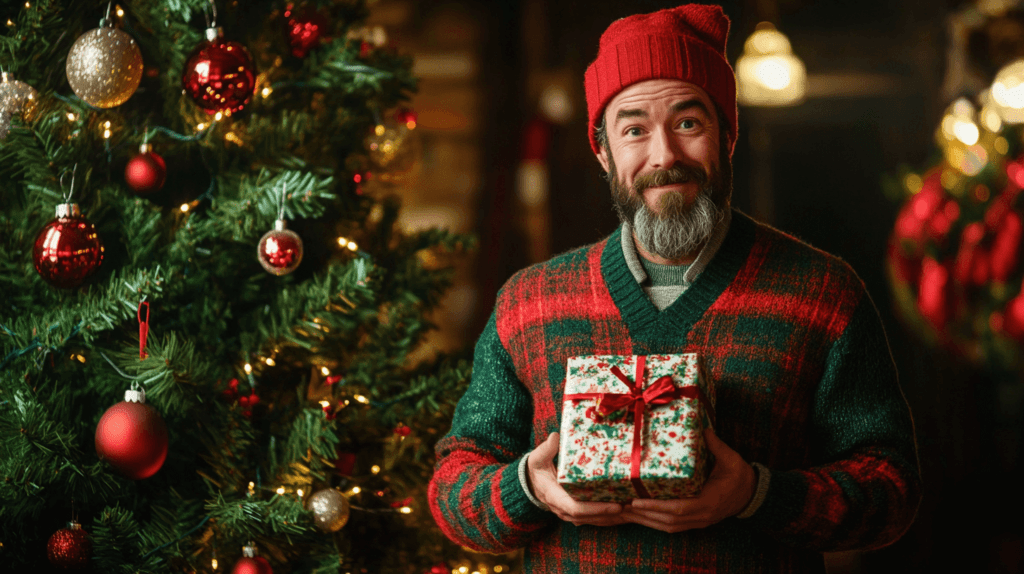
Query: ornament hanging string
[
  {"x": 143, "y": 329},
  {"x": 213, "y": 7},
  {"x": 71, "y": 190},
  {"x": 284, "y": 193}
]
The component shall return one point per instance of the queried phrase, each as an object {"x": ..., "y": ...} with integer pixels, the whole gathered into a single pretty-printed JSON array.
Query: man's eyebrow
[
  {"x": 635, "y": 113},
  {"x": 689, "y": 104}
]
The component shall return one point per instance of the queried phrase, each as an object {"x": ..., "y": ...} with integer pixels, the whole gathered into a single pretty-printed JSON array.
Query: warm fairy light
[
  {"x": 361, "y": 399},
  {"x": 346, "y": 402},
  {"x": 266, "y": 91},
  {"x": 325, "y": 404},
  {"x": 498, "y": 568},
  {"x": 106, "y": 134},
  {"x": 325, "y": 371},
  {"x": 299, "y": 492},
  {"x": 120, "y": 13},
  {"x": 966, "y": 131},
  {"x": 231, "y": 137},
  {"x": 352, "y": 245},
  {"x": 375, "y": 469},
  {"x": 270, "y": 362},
  {"x": 10, "y": 22},
  {"x": 463, "y": 569},
  {"x": 184, "y": 209},
  {"x": 411, "y": 124},
  {"x": 356, "y": 490},
  {"x": 342, "y": 241},
  {"x": 200, "y": 127},
  {"x": 213, "y": 563},
  {"x": 219, "y": 116},
  {"x": 379, "y": 130},
  {"x": 406, "y": 510},
  {"x": 106, "y": 124},
  {"x": 72, "y": 117},
  {"x": 248, "y": 368},
  {"x": 80, "y": 358},
  {"x": 280, "y": 490},
  {"x": 768, "y": 73},
  {"x": 27, "y": 5}
]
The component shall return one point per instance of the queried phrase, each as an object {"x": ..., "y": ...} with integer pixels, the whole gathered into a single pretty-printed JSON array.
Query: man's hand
[
  {"x": 727, "y": 492},
  {"x": 544, "y": 484}
]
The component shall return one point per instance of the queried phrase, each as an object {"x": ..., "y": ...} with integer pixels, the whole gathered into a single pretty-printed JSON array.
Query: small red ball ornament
[
  {"x": 220, "y": 76},
  {"x": 251, "y": 562},
  {"x": 306, "y": 29},
  {"x": 146, "y": 172},
  {"x": 132, "y": 437},
  {"x": 69, "y": 547},
  {"x": 68, "y": 250},
  {"x": 280, "y": 249}
]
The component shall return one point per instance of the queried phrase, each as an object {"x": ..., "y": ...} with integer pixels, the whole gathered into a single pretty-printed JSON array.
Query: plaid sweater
[{"x": 805, "y": 385}]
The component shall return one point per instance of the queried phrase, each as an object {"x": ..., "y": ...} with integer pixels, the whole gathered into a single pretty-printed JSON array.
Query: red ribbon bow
[{"x": 660, "y": 392}]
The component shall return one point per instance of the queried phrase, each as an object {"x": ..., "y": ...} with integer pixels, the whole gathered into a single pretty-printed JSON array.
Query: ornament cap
[
  {"x": 133, "y": 396},
  {"x": 214, "y": 33},
  {"x": 144, "y": 148},
  {"x": 74, "y": 525},
  {"x": 280, "y": 225},
  {"x": 249, "y": 550},
  {"x": 65, "y": 210}
]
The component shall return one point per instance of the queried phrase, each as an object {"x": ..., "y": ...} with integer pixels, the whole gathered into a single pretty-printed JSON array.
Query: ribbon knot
[{"x": 661, "y": 391}]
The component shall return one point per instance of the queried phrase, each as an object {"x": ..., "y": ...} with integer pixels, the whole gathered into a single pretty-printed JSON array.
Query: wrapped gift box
[{"x": 601, "y": 456}]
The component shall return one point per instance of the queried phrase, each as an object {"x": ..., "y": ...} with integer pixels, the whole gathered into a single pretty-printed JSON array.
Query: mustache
[{"x": 676, "y": 174}]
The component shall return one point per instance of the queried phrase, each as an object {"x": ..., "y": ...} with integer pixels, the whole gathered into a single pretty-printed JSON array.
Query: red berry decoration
[
  {"x": 68, "y": 250},
  {"x": 69, "y": 547},
  {"x": 306, "y": 29},
  {"x": 132, "y": 437},
  {"x": 280, "y": 250},
  {"x": 251, "y": 562},
  {"x": 146, "y": 172},
  {"x": 219, "y": 75}
]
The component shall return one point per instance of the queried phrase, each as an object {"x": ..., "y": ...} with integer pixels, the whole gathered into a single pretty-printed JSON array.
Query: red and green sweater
[{"x": 805, "y": 385}]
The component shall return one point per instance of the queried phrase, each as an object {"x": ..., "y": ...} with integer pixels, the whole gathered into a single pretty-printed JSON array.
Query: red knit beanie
[{"x": 684, "y": 43}]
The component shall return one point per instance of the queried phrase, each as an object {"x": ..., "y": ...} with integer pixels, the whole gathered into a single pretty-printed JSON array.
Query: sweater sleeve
[
  {"x": 865, "y": 492},
  {"x": 475, "y": 494}
]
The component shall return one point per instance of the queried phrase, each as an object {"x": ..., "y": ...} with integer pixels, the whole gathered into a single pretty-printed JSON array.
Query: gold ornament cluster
[
  {"x": 330, "y": 509},
  {"x": 104, "y": 67},
  {"x": 16, "y": 99}
]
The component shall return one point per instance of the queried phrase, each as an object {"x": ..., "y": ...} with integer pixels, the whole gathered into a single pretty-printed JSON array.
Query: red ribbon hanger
[
  {"x": 660, "y": 392},
  {"x": 143, "y": 330}
]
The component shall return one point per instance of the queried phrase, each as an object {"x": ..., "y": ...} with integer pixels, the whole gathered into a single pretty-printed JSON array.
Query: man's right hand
[{"x": 544, "y": 485}]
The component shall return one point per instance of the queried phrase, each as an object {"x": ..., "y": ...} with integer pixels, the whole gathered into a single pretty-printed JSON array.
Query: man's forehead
[{"x": 650, "y": 92}]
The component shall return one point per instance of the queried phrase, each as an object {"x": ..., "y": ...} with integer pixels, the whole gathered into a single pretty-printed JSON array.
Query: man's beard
[{"x": 679, "y": 229}]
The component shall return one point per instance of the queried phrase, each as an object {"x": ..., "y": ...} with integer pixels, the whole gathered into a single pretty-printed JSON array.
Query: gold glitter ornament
[
  {"x": 330, "y": 509},
  {"x": 104, "y": 67},
  {"x": 18, "y": 98}
]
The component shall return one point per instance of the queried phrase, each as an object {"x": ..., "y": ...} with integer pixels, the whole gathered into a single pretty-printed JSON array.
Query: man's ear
[{"x": 602, "y": 158}]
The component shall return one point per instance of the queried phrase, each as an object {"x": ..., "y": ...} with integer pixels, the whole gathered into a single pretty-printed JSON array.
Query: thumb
[
  {"x": 549, "y": 448},
  {"x": 715, "y": 444}
]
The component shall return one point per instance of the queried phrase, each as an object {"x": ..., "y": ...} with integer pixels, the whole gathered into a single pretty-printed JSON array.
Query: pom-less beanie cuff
[{"x": 684, "y": 43}]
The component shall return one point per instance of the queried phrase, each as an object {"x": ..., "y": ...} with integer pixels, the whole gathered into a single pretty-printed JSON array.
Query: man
[{"x": 814, "y": 444}]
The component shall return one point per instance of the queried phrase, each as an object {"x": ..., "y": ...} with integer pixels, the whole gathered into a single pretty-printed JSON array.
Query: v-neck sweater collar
[{"x": 664, "y": 329}]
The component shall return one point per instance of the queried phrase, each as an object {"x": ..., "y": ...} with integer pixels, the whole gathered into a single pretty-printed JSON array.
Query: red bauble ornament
[
  {"x": 306, "y": 29},
  {"x": 251, "y": 562},
  {"x": 146, "y": 172},
  {"x": 280, "y": 250},
  {"x": 933, "y": 293},
  {"x": 219, "y": 75},
  {"x": 69, "y": 547},
  {"x": 132, "y": 437},
  {"x": 68, "y": 250}
]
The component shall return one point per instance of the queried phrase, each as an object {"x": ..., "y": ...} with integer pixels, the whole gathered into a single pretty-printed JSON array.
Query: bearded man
[{"x": 813, "y": 445}]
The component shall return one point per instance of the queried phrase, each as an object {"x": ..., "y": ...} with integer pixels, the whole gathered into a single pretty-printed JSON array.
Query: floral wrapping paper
[{"x": 595, "y": 452}]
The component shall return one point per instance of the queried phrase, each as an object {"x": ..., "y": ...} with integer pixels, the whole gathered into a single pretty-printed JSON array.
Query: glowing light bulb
[
  {"x": 342, "y": 241},
  {"x": 966, "y": 131},
  {"x": 325, "y": 404},
  {"x": 219, "y": 116},
  {"x": 213, "y": 563},
  {"x": 361, "y": 399},
  {"x": 72, "y": 117},
  {"x": 120, "y": 13},
  {"x": 379, "y": 130},
  {"x": 270, "y": 362},
  {"x": 352, "y": 246},
  {"x": 299, "y": 492},
  {"x": 375, "y": 469},
  {"x": 201, "y": 127},
  {"x": 106, "y": 124},
  {"x": 266, "y": 92},
  {"x": 356, "y": 490},
  {"x": 248, "y": 368},
  {"x": 106, "y": 134},
  {"x": 405, "y": 510},
  {"x": 280, "y": 490},
  {"x": 184, "y": 208}
]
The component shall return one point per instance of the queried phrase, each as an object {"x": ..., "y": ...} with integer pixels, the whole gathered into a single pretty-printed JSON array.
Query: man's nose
[{"x": 665, "y": 150}]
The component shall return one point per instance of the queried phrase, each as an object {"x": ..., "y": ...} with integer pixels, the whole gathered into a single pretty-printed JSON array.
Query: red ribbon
[
  {"x": 143, "y": 330},
  {"x": 660, "y": 392}
]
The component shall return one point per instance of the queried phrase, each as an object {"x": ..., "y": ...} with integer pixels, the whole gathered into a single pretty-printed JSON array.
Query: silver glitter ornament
[
  {"x": 16, "y": 99},
  {"x": 330, "y": 509},
  {"x": 104, "y": 67}
]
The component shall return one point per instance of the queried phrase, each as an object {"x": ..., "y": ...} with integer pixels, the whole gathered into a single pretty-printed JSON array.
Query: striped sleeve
[
  {"x": 865, "y": 492},
  {"x": 475, "y": 494}
]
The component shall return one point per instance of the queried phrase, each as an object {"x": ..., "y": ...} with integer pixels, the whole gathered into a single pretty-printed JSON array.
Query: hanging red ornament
[
  {"x": 306, "y": 28},
  {"x": 251, "y": 562},
  {"x": 68, "y": 249},
  {"x": 69, "y": 547},
  {"x": 220, "y": 76},
  {"x": 1006, "y": 246},
  {"x": 280, "y": 249},
  {"x": 132, "y": 437},
  {"x": 933, "y": 294},
  {"x": 146, "y": 172}
]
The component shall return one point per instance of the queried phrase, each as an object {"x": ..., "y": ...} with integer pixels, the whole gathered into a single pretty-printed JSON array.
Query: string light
[
  {"x": 299, "y": 492},
  {"x": 10, "y": 22},
  {"x": 248, "y": 368},
  {"x": 270, "y": 362},
  {"x": 379, "y": 130},
  {"x": 361, "y": 399},
  {"x": 463, "y": 569},
  {"x": 352, "y": 246},
  {"x": 411, "y": 124},
  {"x": 213, "y": 563},
  {"x": 375, "y": 469},
  {"x": 106, "y": 134},
  {"x": 325, "y": 404},
  {"x": 405, "y": 510},
  {"x": 120, "y": 13},
  {"x": 342, "y": 241},
  {"x": 200, "y": 127},
  {"x": 184, "y": 208},
  {"x": 27, "y": 5},
  {"x": 72, "y": 117},
  {"x": 498, "y": 568},
  {"x": 356, "y": 490},
  {"x": 280, "y": 490},
  {"x": 219, "y": 116},
  {"x": 267, "y": 91},
  {"x": 231, "y": 137}
]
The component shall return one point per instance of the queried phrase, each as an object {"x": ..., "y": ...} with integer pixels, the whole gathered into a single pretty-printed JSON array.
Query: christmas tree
[{"x": 212, "y": 329}]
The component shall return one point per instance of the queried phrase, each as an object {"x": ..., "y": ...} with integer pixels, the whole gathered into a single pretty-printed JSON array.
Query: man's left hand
[{"x": 726, "y": 493}]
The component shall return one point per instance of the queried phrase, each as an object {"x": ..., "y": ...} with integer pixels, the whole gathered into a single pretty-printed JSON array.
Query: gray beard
[{"x": 680, "y": 228}]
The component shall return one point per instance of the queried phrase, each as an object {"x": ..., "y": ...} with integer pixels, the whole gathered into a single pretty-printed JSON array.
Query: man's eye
[
  {"x": 634, "y": 132},
  {"x": 688, "y": 124}
]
